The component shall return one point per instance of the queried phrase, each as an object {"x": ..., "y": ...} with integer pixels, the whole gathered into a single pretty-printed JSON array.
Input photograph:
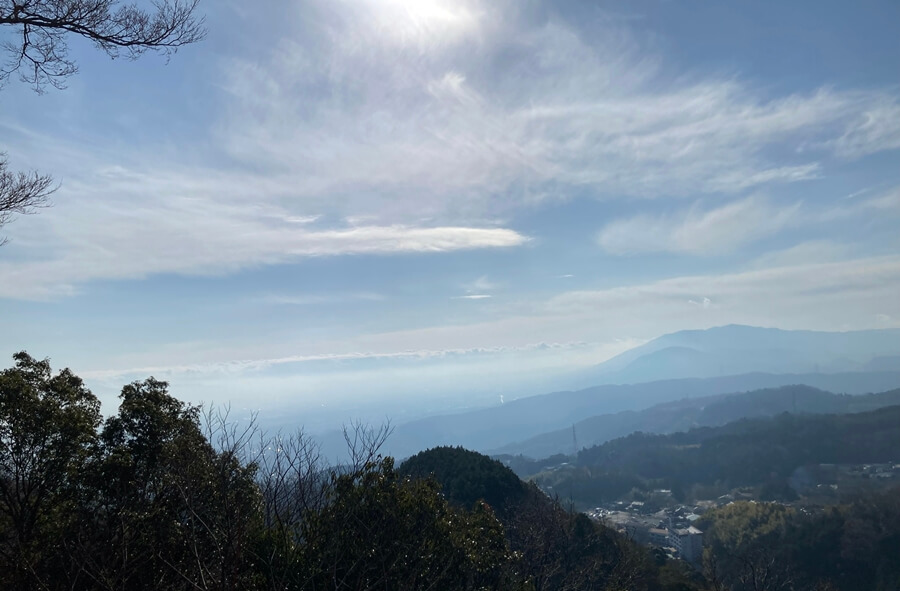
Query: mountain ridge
[
  {"x": 735, "y": 349},
  {"x": 494, "y": 427},
  {"x": 707, "y": 411}
]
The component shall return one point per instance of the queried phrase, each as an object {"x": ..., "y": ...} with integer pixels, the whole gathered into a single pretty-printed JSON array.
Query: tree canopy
[{"x": 163, "y": 496}]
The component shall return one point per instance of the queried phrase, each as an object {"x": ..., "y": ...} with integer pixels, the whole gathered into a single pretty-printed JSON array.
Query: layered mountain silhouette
[
  {"x": 737, "y": 349},
  {"x": 682, "y": 365},
  {"x": 706, "y": 411}
]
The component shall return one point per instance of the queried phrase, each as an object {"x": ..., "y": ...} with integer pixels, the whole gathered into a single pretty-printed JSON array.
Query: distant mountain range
[
  {"x": 687, "y": 364},
  {"x": 736, "y": 349},
  {"x": 706, "y": 411},
  {"x": 492, "y": 428}
]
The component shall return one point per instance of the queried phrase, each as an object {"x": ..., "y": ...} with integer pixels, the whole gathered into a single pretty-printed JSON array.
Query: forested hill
[
  {"x": 467, "y": 477},
  {"x": 706, "y": 411},
  {"x": 554, "y": 548},
  {"x": 746, "y": 451},
  {"x": 751, "y": 452},
  {"x": 159, "y": 497},
  {"x": 849, "y": 547}
]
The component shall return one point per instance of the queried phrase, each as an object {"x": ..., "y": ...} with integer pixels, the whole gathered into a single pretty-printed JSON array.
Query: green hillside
[{"x": 763, "y": 452}]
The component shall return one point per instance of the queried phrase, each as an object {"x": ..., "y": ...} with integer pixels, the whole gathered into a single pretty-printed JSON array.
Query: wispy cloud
[
  {"x": 316, "y": 299},
  {"x": 244, "y": 365},
  {"x": 704, "y": 303},
  {"x": 696, "y": 230},
  {"x": 876, "y": 127},
  {"x": 301, "y": 219},
  {"x": 878, "y": 204},
  {"x": 887, "y": 202},
  {"x": 454, "y": 111},
  {"x": 821, "y": 295},
  {"x": 478, "y": 289},
  {"x": 199, "y": 237},
  {"x": 483, "y": 283},
  {"x": 804, "y": 253},
  {"x": 523, "y": 109}
]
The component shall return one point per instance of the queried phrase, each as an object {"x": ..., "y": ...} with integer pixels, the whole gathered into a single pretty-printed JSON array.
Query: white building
[{"x": 688, "y": 543}]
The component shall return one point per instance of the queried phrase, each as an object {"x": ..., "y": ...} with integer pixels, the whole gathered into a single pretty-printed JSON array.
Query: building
[
  {"x": 688, "y": 543},
  {"x": 659, "y": 537}
]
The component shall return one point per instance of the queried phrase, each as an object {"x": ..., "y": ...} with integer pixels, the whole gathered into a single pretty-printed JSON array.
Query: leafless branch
[
  {"x": 22, "y": 193},
  {"x": 39, "y": 54},
  {"x": 364, "y": 442}
]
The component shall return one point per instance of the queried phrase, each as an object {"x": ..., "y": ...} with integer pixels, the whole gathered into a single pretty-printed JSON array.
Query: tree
[
  {"x": 747, "y": 547},
  {"x": 166, "y": 498},
  {"x": 169, "y": 511},
  {"x": 47, "y": 429},
  {"x": 382, "y": 531},
  {"x": 467, "y": 477},
  {"x": 563, "y": 551},
  {"x": 37, "y": 51}
]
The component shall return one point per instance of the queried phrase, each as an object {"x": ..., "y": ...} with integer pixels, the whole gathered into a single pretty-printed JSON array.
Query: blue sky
[{"x": 352, "y": 204}]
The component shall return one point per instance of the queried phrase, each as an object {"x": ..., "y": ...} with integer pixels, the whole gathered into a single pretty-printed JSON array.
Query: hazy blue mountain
[
  {"x": 884, "y": 363},
  {"x": 684, "y": 364},
  {"x": 706, "y": 411},
  {"x": 492, "y": 428},
  {"x": 736, "y": 349}
]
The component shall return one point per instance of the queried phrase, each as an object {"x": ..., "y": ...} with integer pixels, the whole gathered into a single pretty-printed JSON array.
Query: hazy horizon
[{"x": 423, "y": 204}]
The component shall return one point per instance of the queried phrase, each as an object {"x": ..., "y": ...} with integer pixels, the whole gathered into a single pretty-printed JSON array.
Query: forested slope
[
  {"x": 160, "y": 496},
  {"x": 750, "y": 452}
]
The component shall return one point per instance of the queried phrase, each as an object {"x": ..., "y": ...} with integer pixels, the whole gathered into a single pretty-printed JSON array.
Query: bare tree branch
[
  {"x": 21, "y": 193},
  {"x": 40, "y": 53},
  {"x": 364, "y": 441}
]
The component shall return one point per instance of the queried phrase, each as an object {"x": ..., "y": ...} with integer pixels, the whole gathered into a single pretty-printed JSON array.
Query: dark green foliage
[
  {"x": 146, "y": 500},
  {"x": 167, "y": 508},
  {"x": 467, "y": 477},
  {"x": 160, "y": 497},
  {"x": 759, "y": 453},
  {"x": 745, "y": 546},
  {"x": 47, "y": 430},
  {"x": 145, "y": 503},
  {"x": 381, "y": 531},
  {"x": 552, "y": 547},
  {"x": 559, "y": 550},
  {"x": 696, "y": 411},
  {"x": 846, "y": 547}
]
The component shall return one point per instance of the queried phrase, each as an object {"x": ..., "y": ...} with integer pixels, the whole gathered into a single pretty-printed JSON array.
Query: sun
[
  {"x": 429, "y": 10},
  {"x": 434, "y": 17}
]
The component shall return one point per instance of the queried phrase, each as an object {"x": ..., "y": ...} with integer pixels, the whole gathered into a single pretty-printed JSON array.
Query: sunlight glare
[{"x": 431, "y": 18}]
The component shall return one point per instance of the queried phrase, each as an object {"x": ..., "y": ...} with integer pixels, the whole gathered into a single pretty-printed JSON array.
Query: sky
[{"x": 400, "y": 206}]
